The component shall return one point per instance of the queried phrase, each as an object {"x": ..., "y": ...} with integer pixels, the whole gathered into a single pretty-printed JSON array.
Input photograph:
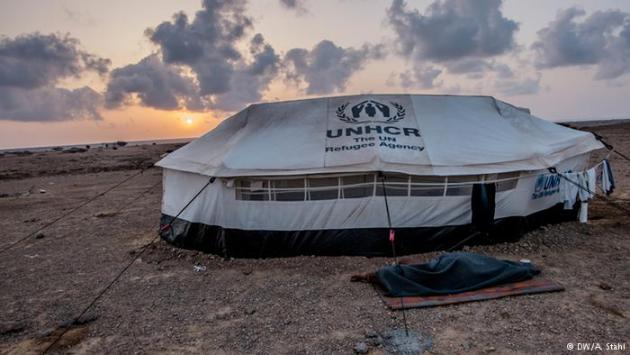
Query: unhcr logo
[
  {"x": 372, "y": 124},
  {"x": 546, "y": 185},
  {"x": 371, "y": 111}
]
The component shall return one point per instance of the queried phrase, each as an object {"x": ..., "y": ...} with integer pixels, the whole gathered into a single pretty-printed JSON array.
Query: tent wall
[
  {"x": 218, "y": 206},
  {"x": 231, "y": 242}
]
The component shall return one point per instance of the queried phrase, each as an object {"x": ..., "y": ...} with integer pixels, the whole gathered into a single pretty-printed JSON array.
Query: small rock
[
  {"x": 371, "y": 334},
  {"x": 75, "y": 150},
  {"x": 199, "y": 268},
  {"x": 224, "y": 313},
  {"x": 105, "y": 214},
  {"x": 247, "y": 272},
  {"x": 490, "y": 349},
  {"x": 66, "y": 323},
  {"x": 250, "y": 310},
  {"x": 376, "y": 341},
  {"x": 40, "y": 235},
  {"x": 11, "y": 328},
  {"x": 604, "y": 286},
  {"x": 361, "y": 348},
  {"x": 42, "y": 191},
  {"x": 86, "y": 319}
]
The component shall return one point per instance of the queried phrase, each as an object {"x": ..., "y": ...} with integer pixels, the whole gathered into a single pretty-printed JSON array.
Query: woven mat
[{"x": 535, "y": 285}]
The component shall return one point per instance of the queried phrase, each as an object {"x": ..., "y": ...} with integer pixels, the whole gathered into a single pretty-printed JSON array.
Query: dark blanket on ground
[{"x": 451, "y": 273}]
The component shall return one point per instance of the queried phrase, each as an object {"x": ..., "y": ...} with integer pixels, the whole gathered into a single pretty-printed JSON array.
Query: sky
[{"x": 79, "y": 72}]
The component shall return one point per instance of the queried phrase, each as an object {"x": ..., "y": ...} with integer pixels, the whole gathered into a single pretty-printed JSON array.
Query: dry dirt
[{"x": 291, "y": 305}]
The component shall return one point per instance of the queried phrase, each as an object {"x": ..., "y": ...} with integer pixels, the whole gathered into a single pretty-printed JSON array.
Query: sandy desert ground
[{"x": 292, "y": 305}]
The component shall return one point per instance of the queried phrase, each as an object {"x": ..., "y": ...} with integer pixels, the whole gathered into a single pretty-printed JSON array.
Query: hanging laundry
[
  {"x": 586, "y": 181},
  {"x": 569, "y": 189},
  {"x": 584, "y": 191},
  {"x": 583, "y": 214},
  {"x": 607, "y": 180},
  {"x": 592, "y": 182}
]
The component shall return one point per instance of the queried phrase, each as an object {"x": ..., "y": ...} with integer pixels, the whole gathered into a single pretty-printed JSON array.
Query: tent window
[
  {"x": 427, "y": 186},
  {"x": 252, "y": 190},
  {"x": 460, "y": 185},
  {"x": 460, "y": 190},
  {"x": 357, "y": 186},
  {"x": 396, "y": 185},
  {"x": 288, "y": 190},
  {"x": 509, "y": 181},
  {"x": 326, "y": 188},
  {"x": 366, "y": 185}
]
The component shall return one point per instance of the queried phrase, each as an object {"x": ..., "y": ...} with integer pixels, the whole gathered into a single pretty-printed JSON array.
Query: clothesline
[{"x": 583, "y": 185}]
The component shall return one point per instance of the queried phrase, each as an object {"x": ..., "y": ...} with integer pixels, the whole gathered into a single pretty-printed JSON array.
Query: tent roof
[{"x": 413, "y": 134}]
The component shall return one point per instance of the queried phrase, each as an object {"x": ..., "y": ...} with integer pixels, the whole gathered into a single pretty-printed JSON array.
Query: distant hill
[
  {"x": 595, "y": 123},
  {"x": 95, "y": 145}
]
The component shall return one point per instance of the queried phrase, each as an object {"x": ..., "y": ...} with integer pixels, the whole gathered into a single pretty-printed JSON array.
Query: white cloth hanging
[
  {"x": 585, "y": 190},
  {"x": 592, "y": 182},
  {"x": 587, "y": 181},
  {"x": 583, "y": 212},
  {"x": 569, "y": 189}
]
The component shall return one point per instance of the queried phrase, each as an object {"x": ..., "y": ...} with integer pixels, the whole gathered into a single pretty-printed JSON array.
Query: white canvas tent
[{"x": 302, "y": 177}]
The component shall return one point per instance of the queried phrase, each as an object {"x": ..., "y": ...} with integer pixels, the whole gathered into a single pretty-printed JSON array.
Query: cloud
[
  {"x": 503, "y": 71},
  {"x": 207, "y": 44},
  {"x": 422, "y": 77},
  {"x": 601, "y": 39},
  {"x": 452, "y": 30},
  {"x": 477, "y": 68},
  {"x": 30, "y": 67},
  {"x": 298, "y": 5},
  {"x": 250, "y": 79},
  {"x": 49, "y": 104},
  {"x": 468, "y": 65},
  {"x": 517, "y": 87},
  {"x": 34, "y": 60},
  {"x": 326, "y": 68},
  {"x": 199, "y": 64},
  {"x": 156, "y": 84},
  {"x": 456, "y": 37}
]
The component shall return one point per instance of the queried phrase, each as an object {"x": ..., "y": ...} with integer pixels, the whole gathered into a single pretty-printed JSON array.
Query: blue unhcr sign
[{"x": 546, "y": 185}]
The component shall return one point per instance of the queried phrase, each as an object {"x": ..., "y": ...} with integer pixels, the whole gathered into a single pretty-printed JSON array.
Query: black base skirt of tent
[{"x": 239, "y": 243}]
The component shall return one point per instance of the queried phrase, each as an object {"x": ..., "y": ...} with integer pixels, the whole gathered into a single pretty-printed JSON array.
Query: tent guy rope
[
  {"x": 392, "y": 240},
  {"x": 64, "y": 215},
  {"x": 122, "y": 271},
  {"x": 126, "y": 205},
  {"x": 603, "y": 197}
]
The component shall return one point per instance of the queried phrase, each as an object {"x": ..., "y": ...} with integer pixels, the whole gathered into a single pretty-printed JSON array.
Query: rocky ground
[{"x": 179, "y": 301}]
